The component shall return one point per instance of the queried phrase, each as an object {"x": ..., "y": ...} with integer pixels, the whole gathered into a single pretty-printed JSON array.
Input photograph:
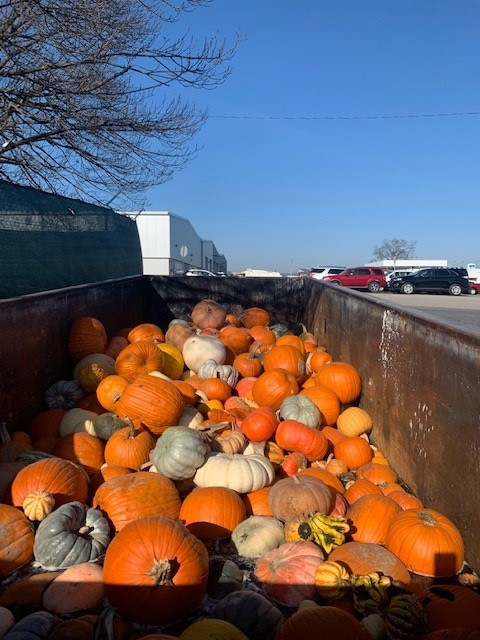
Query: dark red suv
[{"x": 371, "y": 278}]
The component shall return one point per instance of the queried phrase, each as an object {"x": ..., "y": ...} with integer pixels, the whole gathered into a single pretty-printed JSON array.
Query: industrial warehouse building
[{"x": 171, "y": 246}]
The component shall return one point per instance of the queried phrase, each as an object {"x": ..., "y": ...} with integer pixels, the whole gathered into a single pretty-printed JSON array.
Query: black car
[{"x": 436, "y": 280}]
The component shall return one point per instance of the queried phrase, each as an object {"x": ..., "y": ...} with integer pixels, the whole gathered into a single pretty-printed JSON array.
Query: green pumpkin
[
  {"x": 72, "y": 534},
  {"x": 179, "y": 452},
  {"x": 251, "y": 612}
]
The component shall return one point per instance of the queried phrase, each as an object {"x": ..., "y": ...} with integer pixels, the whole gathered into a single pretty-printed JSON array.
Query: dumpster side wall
[{"x": 421, "y": 376}]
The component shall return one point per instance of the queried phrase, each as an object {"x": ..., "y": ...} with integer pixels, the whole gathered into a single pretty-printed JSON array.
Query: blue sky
[{"x": 310, "y": 179}]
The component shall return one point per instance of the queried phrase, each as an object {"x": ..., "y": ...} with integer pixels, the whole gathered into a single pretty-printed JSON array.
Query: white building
[
  {"x": 389, "y": 265},
  {"x": 171, "y": 246}
]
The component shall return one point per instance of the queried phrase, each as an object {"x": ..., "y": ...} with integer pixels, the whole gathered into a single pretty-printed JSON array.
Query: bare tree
[
  {"x": 86, "y": 103},
  {"x": 394, "y": 249}
]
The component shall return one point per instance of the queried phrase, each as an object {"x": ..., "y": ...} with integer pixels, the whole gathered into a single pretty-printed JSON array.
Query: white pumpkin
[
  {"x": 302, "y": 409},
  {"x": 76, "y": 420},
  {"x": 235, "y": 471},
  {"x": 199, "y": 348},
  {"x": 191, "y": 417},
  {"x": 211, "y": 369},
  {"x": 256, "y": 535}
]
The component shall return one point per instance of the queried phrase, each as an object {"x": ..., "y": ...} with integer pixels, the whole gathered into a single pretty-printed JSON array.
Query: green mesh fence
[{"x": 48, "y": 242}]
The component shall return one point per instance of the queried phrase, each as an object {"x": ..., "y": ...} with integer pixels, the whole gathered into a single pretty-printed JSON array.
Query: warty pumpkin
[
  {"x": 299, "y": 495},
  {"x": 256, "y": 535},
  {"x": 361, "y": 558},
  {"x": 155, "y": 571},
  {"x": 127, "y": 498}
]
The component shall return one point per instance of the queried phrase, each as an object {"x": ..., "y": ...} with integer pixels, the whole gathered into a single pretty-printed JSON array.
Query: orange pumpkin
[
  {"x": 361, "y": 558},
  {"x": 155, "y": 571},
  {"x": 427, "y": 542},
  {"x": 104, "y": 474},
  {"x": 126, "y": 498},
  {"x": 62, "y": 478},
  {"x": 255, "y": 316},
  {"x": 293, "y": 463},
  {"x": 86, "y": 335},
  {"x": 129, "y": 447},
  {"x": 361, "y": 487},
  {"x": 451, "y": 606},
  {"x": 377, "y": 473},
  {"x": 82, "y": 448},
  {"x": 322, "y": 622},
  {"x": 260, "y": 424},
  {"x": 188, "y": 392},
  {"x": 244, "y": 386},
  {"x": 16, "y": 541},
  {"x": 109, "y": 391},
  {"x": 273, "y": 386},
  {"x": 151, "y": 402},
  {"x": 406, "y": 500},
  {"x": 139, "y": 357},
  {"x": 146, "y": 331},
  {"x": 285, "y": 357},
  {"x": 327, "y": 402},
  {"x": 354, "y": 451},
  {"x": 326, "y": 476},
  {"x": 343, "y": 378},
  {"x": 262, "y": 336},
  {"x": 292, "y": 435},
  {"x": 238, "y": 339},
  {"x": 317, "y": 358},
  {"x": 212, "y": 512},
  {"x": 256, "y": 502},
  {"x": 291, "y": 340},
  {"x": 248, "y": 365},
  {"x": 46, "y": 423},
  {"x": 215, "y": 389},
  {"x": 370, "y": 516}
]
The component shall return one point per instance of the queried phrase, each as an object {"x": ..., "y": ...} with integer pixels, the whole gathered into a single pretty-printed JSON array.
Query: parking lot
[{"x": 463, "y": 310}]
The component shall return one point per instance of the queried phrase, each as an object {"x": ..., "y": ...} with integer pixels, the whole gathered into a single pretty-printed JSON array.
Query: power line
[{"x": 378, "y": 117}]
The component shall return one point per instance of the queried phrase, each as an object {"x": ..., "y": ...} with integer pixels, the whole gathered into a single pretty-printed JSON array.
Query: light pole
[{"x": 291, "y": 266}]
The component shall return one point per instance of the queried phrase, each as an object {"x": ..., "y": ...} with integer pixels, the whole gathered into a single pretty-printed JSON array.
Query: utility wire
[{"x": 392, "y": 117}]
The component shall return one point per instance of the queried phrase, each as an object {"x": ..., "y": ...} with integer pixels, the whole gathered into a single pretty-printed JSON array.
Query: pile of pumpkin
[{"x": 216, "y": 480}]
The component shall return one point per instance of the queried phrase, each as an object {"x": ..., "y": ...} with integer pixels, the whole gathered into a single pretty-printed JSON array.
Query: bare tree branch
[
  {"x": 85, "y": 104},
  {"x": 395, "y": 249}
]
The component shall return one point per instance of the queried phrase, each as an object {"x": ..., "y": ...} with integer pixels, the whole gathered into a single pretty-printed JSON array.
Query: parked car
[
  {"x": 474, "y": 287},
  {"x": 436, "y": 280},
  {"x": 320, "y": 273},
  {"x": 200, "y": 272},
  {"x": 398, "y": 274},
  {"x": 371, "y": 278}
]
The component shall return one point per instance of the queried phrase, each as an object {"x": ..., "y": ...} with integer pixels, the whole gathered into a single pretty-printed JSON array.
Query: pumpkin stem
[
  {"x": 427, "y": 518},
  {"x": 161, "y": 572},
  {"x": 85, "y": 531}
]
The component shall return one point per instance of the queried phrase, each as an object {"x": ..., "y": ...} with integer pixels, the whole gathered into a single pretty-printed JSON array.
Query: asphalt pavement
[{"x": 461, "y": 310}]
